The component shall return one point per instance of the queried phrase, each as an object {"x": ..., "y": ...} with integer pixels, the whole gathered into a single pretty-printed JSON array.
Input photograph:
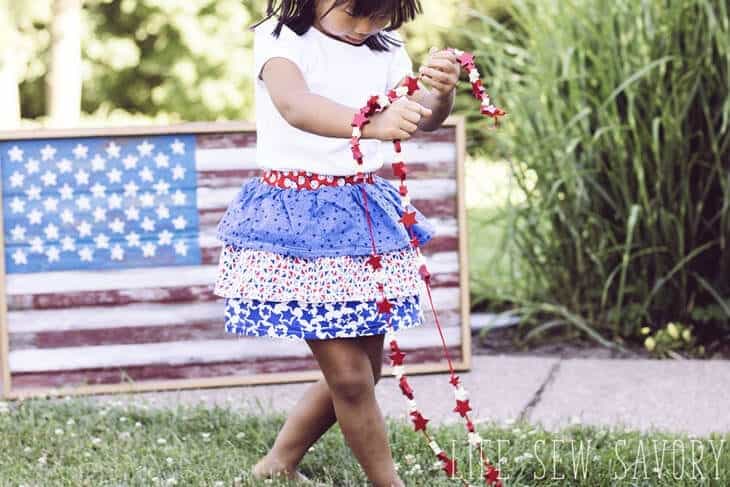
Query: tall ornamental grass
[{"x": 618, "y": 131}]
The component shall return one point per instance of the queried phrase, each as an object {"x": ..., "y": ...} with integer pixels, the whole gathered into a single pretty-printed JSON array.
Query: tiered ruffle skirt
[{"x": 293, "y": 261}]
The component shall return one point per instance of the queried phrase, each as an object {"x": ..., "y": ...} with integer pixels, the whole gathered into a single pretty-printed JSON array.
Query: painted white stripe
[
  {"x": 151, "y": 277},
  {"x": 154, "y": 314},
  {"x": 245, "y": 157},
  {"x": 212, "y": 198},
  {"x": 193, "y": 352}
]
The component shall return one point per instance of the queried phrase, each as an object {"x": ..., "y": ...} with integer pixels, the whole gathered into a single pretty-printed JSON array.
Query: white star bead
[
  {"x": 383, "y": 101},
  {"x": 421, "y": 260},
  {"x": 474, "y": 438},
  {"x": 412, "y": 406},
  {"x": 356, "y": 132},
  {"x": 389, "y": 336},
  {"x": 398, "y": 371},
  {"x": 406, "y": 200},
  {"x": 434, "y": 446},
  {"x": 461, "y": 393},
  {"x": 486, "y": 101},
  {"x": 401, "y": 90},
  {"x": 458, "y": 52},
  {"x": 473, "y": 75}
]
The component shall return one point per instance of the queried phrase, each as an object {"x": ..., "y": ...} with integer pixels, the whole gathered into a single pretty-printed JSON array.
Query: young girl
[{"x": 296, "y": 240}]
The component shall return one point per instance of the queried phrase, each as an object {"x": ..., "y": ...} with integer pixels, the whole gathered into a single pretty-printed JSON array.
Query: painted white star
[
  {"x": 50, "y": 204},
  {"x": 82, "y": 177},
  {"x": 161, "y": 186},
  {"x": 66, "y": 192},
  {"x": 146, "y": 174},
  {"x": 130, "y": 162},
  {"x": 149, "y": 249},
  {"x": 99, "y": 214},
  {"x": 86, "y": 254},
  {"x": 98, "y": 190},
  {"x": 132, "y": 213},
  {"x": 162, "y": 160},
  {"x": 165, "y": 237},
  {"x": 102, "y": 241},
  {"x": 117, "y": 252},
  {"x": 48, "y": 152},
  {"x": 147, "y": 199},
  {"x": 16, "y": 179},
  {"x": 84, "y": 229},
  {"x": 179, "y": 223},
  {"x": 67, "y": 216},
  {"x": 64, "y": 165},
  {"x": 112, "y": 150},
  {"x": 18, "y": 232},
  {"x": 148, "y": 224},
  {"x": 132, "y": 239},
  {"x": 130, "y": 189},
  {"x": 114, "y": 201},
  {"x": 162, "y": 212},
  {"x": 98, "y": 163},
  {"x": 181, "y": 248},
  {"x": 17, "y": 205},
  {"x": 52, "y": 254},
  {"x": 16, "y": 154},
  {"x": 49, "y": 178},
  {"x": 114, "y": 176},
  {"x": 145, "y": 149},
  {"x": 34, "y": 217},
  {"x": 178, "y": 147},
  {"x": 83, "y": 203},
  {"x": 51, "y": 232},
  {"x": 178, "y": 198},
  {"x": 80, "y": 151},
  {"x": 67, "y": 243},
  {"x": 33, "y": 193},
  {"x": 36, "y": 245},
  {"x": 178, "y": 172},
  {"x": 32, "y": 166},
  {"x": 117, "y": 226},
  {"x": 19, "y": 257}
]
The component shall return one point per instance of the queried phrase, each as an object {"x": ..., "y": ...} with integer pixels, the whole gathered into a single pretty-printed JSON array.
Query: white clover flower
[
  {"x": 410, "y": 458},
  {"x": 169, "y": 460},
  {"x": 206, "y": 436},
  {"x": 161, "y": 441},
  {"x": 95, "y": 440},
  {"x": 58, "y": 431},
  {"x": 240, "y": 435}
]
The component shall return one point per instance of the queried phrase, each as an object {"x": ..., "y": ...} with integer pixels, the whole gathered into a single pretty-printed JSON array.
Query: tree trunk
[{"x": 64, "y": 78}]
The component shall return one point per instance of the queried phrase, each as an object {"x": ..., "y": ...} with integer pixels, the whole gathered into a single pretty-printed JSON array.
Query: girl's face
[{"x": 339, "y": 22}]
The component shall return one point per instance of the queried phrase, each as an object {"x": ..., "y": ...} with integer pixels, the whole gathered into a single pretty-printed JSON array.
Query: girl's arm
[{"x": 322, "y": 116}]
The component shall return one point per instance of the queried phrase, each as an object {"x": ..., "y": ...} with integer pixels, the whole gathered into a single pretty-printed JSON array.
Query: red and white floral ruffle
[{"x": 265, "y": 275}]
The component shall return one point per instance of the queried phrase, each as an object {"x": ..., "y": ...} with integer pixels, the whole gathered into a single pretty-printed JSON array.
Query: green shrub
[{"x": 618, "y": 131}]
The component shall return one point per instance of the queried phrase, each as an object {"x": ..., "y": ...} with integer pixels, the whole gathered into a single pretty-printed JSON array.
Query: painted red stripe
[
  {"x": 198, "y": 330},
  {"x": 195, "y": 371}
]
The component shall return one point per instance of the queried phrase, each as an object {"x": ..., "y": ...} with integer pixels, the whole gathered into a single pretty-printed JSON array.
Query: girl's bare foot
[{"x": 268, "y": 467}]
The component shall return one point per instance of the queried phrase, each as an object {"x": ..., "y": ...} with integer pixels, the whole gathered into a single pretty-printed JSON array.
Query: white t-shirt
[{"x": 332, "y": 68}]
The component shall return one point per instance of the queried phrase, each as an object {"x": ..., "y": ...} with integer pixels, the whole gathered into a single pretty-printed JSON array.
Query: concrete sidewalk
[{"x": 689, "y": 396}]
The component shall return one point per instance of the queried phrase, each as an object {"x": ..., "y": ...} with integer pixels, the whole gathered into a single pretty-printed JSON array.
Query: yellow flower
[
  {"x": 686, "y": 334},
  {"x": 672, "y": 330},
  {"x": 645, "y": 330},
  {"x": 649, "y": 343}
]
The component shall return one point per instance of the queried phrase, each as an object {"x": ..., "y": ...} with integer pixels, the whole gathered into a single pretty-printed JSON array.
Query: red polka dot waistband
[{"x": 297, "y": 179}]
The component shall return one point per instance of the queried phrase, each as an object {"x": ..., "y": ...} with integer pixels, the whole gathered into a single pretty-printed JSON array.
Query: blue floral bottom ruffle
[{"x": 296, "y": 320}]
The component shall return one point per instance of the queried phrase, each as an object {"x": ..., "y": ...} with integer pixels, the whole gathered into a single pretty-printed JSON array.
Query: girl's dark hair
[{"x": 298, "y": 15}]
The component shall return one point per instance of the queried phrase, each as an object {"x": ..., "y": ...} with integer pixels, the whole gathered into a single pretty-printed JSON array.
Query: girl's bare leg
[{"x": 313, "y": 415}]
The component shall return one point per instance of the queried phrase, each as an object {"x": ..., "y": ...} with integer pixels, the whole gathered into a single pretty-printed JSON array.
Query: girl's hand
[
  {"x": 398, "y": 121},
  {"x": 441, "y": 71}
]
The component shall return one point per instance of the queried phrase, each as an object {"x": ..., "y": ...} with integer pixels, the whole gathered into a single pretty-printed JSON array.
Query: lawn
[{"x": 78, "y": 442}]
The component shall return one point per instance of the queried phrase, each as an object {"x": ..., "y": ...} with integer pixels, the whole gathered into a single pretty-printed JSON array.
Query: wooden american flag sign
[{"x": 110, "y": 257}]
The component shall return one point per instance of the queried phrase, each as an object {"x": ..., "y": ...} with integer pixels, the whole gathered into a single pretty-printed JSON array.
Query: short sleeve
[
  {"x": 288, "y": 45},
  {"x": 400, "y": 65}
]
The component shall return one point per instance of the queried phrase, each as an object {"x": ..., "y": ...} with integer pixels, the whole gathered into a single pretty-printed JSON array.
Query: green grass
[{"x": 77, "y": 442}]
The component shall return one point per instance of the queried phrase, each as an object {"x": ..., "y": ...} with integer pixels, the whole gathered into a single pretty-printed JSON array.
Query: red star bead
[
  {"x": 477, "y": 89},
  {"x": 408, "y": 218},
  {"x": 374, "y": 261},
  {"x": 465, "y": 59},
  {"x": 415, "y": 242},
  {"x": 425, "y": 275},
  {"x": 419, "y": 421},
  {"x": 396, "y": 143},
  {"x": 359, "y": 120},
  {"x": 384, "y": 306},
  {"x": 491, "y": 475},
  {"x": 449, "y": 466},
  {"x": 396, "y": 357},
  {"x": 403, "y": 190},
  {"x": 412, "y": 84},
  {"x": 405, "y": 387},
  {"x": 462, "y": 407},
  {"x": 399, "y": 169},
  {"x": 454, "y": 380}
]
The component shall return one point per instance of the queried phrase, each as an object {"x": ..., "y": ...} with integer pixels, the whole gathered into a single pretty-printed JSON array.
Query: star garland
[{"x": 374, "y": 105}]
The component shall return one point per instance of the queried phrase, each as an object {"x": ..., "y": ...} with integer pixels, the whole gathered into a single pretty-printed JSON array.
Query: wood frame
[{"x": 7, "y": 392}]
